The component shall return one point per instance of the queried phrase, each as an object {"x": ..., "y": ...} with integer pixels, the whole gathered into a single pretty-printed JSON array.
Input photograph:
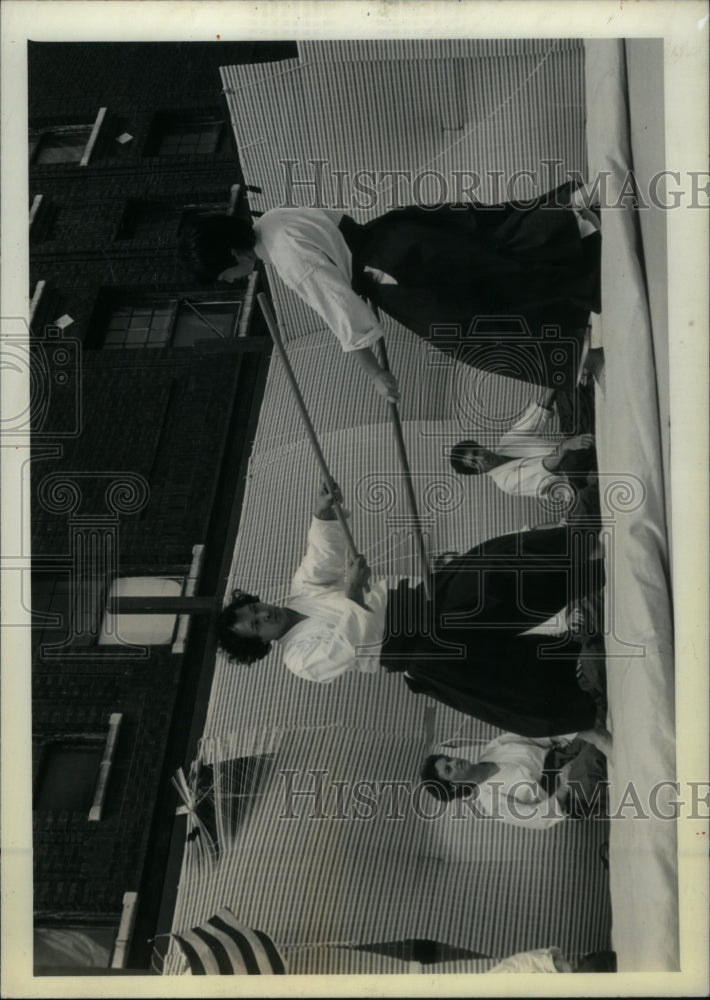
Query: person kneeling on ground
[
  {"x": 511, "y": 778},
  {"x": 525, "y": 464},
  {"x": 553, "y": 960}
]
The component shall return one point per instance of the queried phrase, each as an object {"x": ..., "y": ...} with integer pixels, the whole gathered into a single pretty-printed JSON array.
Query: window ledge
[
  {"x": 34, "y": 209},
  {"x": 114, "y": 724},
  {"x": 248, "y": 306},
  {"x": 125, "y": 930},
  {"x": 83, "y": 162},
  {"x": 198, "y": 555},
  {"x": 36, "y": 296}
]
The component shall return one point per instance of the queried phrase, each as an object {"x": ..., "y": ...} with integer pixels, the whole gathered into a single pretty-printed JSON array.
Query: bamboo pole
[
  {"x": 310, "y": 430},
  {"x": 409, "y": 488}
]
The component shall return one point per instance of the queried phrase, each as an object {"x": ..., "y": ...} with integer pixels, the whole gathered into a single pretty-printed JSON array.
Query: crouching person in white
[{"x": 509, "y": 778}]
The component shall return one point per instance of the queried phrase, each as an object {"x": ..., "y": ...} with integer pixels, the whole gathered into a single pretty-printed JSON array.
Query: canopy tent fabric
[
  {"x": 491, "y": 890},
  {"x": 640, "y": 670},
  {"x": 370, "y": 126},
  {"x": 342, "y": 846}
]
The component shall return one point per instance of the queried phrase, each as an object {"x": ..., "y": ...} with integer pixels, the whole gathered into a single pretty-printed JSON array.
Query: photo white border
[{"x": 684, "y": 26}]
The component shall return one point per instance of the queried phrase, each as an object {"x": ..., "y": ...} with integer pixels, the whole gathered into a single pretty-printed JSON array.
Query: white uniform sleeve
[
  {"x": 527, "y": 430},
  {"x": 507, "y": 476},
  {"x": 327, "y": 290},
  {"x": 522, "y": 802},
  {"x": 516, "y": 740},
  {"x": 525, "y": 477},
  {"x": 537, "y": 814},
  {"x": 321, "y": 654},
  {"x": 324, "y": 562}
]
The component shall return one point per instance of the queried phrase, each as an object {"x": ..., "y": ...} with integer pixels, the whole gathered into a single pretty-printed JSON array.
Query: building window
[
  {"x": 140, "y": 629},
  {"x": 59, "y": 145},
  {"x": 73, "y": 946},
  {"x": 74, "y": 771},
  {"x": 139, "y": 326},
  {"x": 188, "y": 134},
  {"x": 171, "y": 322},
  {"x": 65, "y": 143},
  {"x": 68, "y": 775},
  {"x": 76, "y": 613}
]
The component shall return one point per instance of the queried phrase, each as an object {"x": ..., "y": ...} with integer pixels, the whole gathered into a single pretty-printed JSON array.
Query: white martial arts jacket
[
  {"x": 526, "y": 475},
  {"x": 520, "y": 761},
  {"x": 338, "y": 635},
  {"x": 310, "y": 255}
]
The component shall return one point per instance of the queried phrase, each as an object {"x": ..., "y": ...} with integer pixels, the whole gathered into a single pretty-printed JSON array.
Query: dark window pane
[
  {"x": 139, "y": 326},
  {"x": 72, "y": 946},
  {"x": 68, "y": 777},
  {"x": 206, "y": 321},
  {"x": 63, "y": 145},
  {"x": 176, "y": 323},
  {"x": 186, "y": 137}
]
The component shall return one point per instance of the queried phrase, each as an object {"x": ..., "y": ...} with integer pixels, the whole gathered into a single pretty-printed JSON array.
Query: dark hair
[
  {"x": 239, "y": 648},
  {"x": 207, "y": 239},
  {"x": 457, "y": 455},
  {"x": 441, "y": 788},
  {"x": 597, "y": 961}
]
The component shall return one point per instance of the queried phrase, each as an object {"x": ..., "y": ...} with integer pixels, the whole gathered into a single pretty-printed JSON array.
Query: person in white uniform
[
  {"x": 308, "y": 251},
  {"x": 552, "y": 960},
  {"x": 526, "y": 464},
  {"x": 459, "y": 266},
  {"x": 470, "y": 646},
  {"x": 510, "y": 778}
]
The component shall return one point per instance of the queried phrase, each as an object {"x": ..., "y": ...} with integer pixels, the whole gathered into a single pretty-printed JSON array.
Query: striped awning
[{"x": 221, "y": 946}]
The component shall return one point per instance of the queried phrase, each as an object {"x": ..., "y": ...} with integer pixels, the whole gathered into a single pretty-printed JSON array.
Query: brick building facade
[{"x": 146, "y": 394}]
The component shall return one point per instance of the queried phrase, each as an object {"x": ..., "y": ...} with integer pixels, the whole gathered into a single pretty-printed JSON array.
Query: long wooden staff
[
  {"x": 404, "y": 462},
  {"x": 310, "y": 430}
]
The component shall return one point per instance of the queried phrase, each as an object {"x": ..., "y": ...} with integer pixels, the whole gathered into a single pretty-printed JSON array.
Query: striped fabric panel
[
  {"x": 372, "y": 49},
  {"x": 325, "y": 960},
  {"x": 489, "y": 888},
  {"x": 382, "y": 879},
  {"x": 508, "y": 115},
  {"x": 516, "y": 112},
  {"x": 225, "y": 947}
]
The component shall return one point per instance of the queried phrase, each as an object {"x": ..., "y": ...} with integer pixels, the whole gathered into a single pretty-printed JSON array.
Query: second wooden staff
[
  {"x": 407, "y": 472},
  {"x": 310, "y": 430}
]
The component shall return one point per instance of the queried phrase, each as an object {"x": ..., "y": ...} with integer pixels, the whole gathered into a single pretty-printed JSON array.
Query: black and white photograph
[{"x": 354, "y": 551}]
